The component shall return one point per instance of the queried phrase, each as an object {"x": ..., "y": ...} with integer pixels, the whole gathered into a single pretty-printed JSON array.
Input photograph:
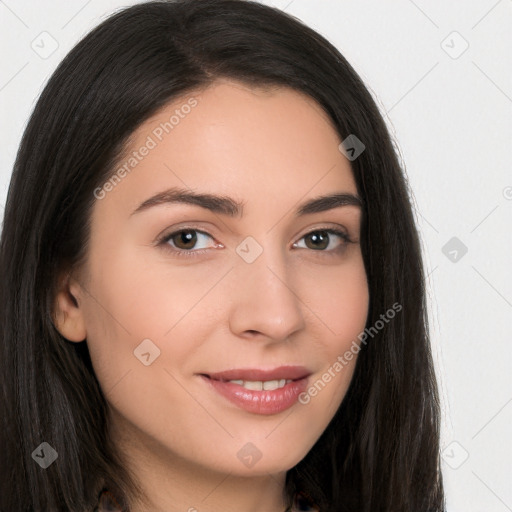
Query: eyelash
[{"x": 163, "y": 241}]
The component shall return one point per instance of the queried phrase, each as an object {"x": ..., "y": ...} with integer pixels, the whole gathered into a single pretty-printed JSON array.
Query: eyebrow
[{"x": 232, "y": 208}]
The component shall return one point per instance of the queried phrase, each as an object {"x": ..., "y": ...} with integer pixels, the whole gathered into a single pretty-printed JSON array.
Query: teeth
[
  {"x": 254, "y": 385},
  {"x": 258, "y": 385},
  {"x": 271, "y": 384}
]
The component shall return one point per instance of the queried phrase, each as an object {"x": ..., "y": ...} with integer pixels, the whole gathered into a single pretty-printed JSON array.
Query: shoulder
[
  {"x": 302, "y": 504},
  {"x": 107, "y": 503}
]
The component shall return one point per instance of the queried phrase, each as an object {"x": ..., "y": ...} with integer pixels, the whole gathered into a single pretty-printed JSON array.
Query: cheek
[
  {"x": 152, "y": 295},
  {"x": 340, "y": 299},
  {"x": 139, "y": 298},
  {"x": 340, "y": 302},
  {"x": 132, "y": 299}
]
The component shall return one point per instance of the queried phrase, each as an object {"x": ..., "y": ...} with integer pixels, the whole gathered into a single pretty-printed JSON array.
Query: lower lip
[{"x": 260, "y": 402}]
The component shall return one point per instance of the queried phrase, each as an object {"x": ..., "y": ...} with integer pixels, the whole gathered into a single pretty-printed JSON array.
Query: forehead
[{"x": 275, "y": 143}]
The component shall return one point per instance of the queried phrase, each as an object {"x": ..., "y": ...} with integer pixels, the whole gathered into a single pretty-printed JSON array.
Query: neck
[{"x": 172, "y": 483}]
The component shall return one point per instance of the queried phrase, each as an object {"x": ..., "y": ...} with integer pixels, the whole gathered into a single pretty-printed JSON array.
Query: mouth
[{"x": 260, "y": 391}]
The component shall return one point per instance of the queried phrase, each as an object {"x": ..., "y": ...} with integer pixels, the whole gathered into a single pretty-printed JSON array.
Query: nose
[{"x": 264, "y": 303}]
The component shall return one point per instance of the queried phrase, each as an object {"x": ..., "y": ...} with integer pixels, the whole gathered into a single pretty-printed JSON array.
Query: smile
[{"x": 258, "y": 391}]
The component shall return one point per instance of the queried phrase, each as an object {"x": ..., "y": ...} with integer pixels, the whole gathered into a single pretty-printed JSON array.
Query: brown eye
[
  {"x": 320, "y": 239},
  {"x": 185, "y": 239}
]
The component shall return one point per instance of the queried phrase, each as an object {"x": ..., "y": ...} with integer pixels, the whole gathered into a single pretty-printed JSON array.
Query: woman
[{"x": 213, "y": 295}]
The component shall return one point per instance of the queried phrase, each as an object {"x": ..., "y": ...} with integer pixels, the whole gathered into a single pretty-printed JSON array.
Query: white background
[{"x": 451, "y": 113}]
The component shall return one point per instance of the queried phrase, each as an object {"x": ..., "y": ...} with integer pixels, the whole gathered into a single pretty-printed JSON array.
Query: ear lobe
[{"x": 68, "y": 315}]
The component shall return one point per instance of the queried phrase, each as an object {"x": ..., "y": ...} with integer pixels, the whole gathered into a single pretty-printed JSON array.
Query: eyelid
[{"x": 325, "y": 227}]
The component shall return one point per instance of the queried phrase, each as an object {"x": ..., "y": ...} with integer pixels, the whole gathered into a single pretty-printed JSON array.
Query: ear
[{"x": 68, "y": 315}]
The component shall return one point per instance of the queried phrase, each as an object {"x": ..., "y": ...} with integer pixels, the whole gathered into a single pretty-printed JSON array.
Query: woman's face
[{"x": 265, "y": 291}]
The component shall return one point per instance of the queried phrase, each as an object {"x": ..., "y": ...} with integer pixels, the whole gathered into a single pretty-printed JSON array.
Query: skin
[{"x": 271, "y": 149}]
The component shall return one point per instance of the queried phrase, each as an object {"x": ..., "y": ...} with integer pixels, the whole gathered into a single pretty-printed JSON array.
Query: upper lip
[{"x": 258, "y": 374}]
